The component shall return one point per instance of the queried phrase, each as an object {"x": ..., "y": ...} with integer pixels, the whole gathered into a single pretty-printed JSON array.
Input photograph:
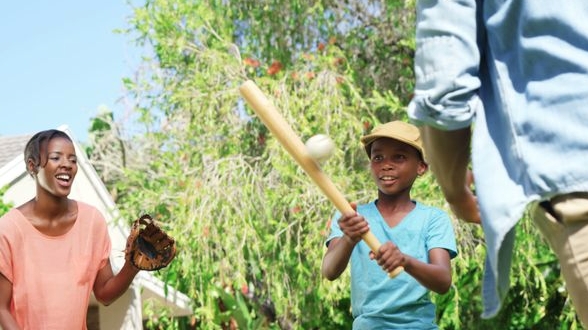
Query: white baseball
[{"x": 320, "y": 147}]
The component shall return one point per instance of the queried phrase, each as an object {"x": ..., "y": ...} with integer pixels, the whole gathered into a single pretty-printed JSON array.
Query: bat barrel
[{"x": 283, "y": 132}]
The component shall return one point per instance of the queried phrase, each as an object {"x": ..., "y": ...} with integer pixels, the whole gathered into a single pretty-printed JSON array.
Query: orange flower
[
  {"x": 244, "y": 289},
  {"x": 338, "y": 61},
  {"x": 310, "y": 75},
  {"x": 307, "y": 57},
  {"x": 251, "y": 62},
  {"x": 274, "y": 68},
  {"x": 321, "y": 46},
  {"x": 325, "y": 232},
  {"x": 261, "y": 139},
  {"x": 329, "y": 223}
]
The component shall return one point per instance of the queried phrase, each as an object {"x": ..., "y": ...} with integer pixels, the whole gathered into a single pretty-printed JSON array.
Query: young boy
[{"x": 417, "y": 237}]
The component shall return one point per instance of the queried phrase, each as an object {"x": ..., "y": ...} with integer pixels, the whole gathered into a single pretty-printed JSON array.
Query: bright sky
[{"x": 60, "y": 61}]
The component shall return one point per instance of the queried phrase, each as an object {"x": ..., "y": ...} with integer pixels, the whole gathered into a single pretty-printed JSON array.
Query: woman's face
[{"x": 58, "y": 166}]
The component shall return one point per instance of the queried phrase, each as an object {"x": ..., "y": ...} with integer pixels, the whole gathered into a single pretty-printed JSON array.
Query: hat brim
[{"x": 370, "y": 138}]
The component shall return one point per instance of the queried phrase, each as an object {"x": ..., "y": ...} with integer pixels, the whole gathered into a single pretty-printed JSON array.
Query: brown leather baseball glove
[{"x": 148, "y": 246}]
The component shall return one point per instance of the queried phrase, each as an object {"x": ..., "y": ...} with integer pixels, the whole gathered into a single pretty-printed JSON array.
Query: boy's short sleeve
[{"x": 440, "y": 234}]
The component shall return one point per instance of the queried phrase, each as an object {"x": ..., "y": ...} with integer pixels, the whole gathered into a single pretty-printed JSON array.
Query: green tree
[{"x": 4, "y": 207}]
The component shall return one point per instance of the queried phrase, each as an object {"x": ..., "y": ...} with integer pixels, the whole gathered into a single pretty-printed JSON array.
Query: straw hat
[{"x": 397, "y": 130}]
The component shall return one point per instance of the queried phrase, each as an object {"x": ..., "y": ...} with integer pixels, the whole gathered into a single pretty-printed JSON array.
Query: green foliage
[
  {"x": 250, "y": 217},
  {"x": 4, "y": 207},
  {"x": 249, "y": 223}
]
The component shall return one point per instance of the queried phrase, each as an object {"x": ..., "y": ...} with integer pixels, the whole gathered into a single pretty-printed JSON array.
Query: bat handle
[{"x": 371, "y": 240}]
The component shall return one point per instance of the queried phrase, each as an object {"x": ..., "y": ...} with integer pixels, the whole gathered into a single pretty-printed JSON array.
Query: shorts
[{"x": 563, "y": 221}]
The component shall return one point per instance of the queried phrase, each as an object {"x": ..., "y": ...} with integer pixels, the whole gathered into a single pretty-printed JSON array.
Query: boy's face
[{"x": 395, "y": 165}]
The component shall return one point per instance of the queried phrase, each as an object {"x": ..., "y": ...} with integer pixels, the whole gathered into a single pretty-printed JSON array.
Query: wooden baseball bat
[{"x": 276, "y": 123}]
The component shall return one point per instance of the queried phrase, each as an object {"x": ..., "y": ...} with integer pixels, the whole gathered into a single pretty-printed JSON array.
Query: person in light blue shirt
[
  {"x": 504, "y": 84},
  {"x": 416, "y": 237}
]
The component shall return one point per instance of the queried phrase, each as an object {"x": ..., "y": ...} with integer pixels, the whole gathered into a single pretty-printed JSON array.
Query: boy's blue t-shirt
[{"x": 379, "y": 302}]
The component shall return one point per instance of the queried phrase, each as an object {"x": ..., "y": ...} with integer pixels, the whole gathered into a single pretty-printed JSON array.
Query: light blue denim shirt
[{"x": 517, "y": 72}]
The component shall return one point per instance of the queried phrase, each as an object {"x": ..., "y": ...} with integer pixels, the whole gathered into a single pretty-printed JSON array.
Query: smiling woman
[{"x": 61, "y": 245}]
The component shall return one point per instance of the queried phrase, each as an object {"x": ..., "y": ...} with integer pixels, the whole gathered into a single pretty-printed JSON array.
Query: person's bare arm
[
  {"x": 337, "y": 257},
  {"x": 7, "y": 322},
  {"x": 448, "y": 154},
  {"x": 339, "y": 250},
  {"x": 109, "y": 287},
  {"x": 435, "y": 275}
]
